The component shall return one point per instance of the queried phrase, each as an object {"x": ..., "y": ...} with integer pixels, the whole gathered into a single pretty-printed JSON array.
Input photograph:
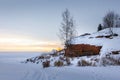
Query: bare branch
[{"x": 67, "y": 30}]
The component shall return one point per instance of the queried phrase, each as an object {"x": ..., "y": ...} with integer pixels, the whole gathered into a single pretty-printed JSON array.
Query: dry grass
[
  {"x": 68, "y": 61},
  {"x": 58, "y": 63},
  {"x": 46, "y": 64},
  {"x": 83, "y": 63}
]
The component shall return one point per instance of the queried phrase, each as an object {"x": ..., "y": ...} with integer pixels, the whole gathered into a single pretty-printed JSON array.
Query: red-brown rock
[{"x": 82, "y": 50}]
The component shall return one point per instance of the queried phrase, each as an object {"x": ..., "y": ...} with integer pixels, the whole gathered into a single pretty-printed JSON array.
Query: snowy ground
[
  {"x": 14, "y": 70},
  {"x": 108, "y": 45}
]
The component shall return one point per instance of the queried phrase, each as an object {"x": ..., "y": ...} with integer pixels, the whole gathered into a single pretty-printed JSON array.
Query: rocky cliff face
[{"x": 82, "y": 50}]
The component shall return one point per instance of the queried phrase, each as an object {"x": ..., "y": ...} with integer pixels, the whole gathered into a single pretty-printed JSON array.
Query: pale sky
[{"x": 34, "y": 24}]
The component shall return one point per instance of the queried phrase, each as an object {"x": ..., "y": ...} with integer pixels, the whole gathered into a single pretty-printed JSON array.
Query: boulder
[{"x": 82, "y": 50}]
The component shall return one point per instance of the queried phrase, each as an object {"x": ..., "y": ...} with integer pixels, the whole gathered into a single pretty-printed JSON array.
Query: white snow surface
[
  {"x": 14, "y": 70},
  {"x": 107, "y": 44},
  {"x": 11, "y": 67}
]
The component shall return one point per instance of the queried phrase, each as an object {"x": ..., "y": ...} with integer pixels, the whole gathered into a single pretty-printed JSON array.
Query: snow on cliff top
[{"x": 107, "y": 44}]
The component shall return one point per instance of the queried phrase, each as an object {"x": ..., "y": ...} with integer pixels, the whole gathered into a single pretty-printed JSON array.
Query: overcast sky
[{"x": 40, "y": 19}]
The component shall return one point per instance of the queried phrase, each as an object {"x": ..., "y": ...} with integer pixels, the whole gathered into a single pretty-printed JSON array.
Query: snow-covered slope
[
  {"x": 109, "y": 53},
  {"x": 101, "y": 38}
]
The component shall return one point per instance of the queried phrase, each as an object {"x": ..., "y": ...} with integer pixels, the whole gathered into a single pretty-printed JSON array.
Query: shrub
[
  {"x": 68, "y": 61},
  {"x": 79, "y": 63},
  {"x": 114, "y": 61},
  {"x": 109, "y": 59},
  {"x": 47, "y": 57},
  {"x": 31, "y": 60},
  {"x": 27, "y": 60},
  {"x": 58, "y": 63},
  {"x": 41, "y": 57},
  {"x": 62, "y": 58},
  {"x": 37, "y": 62},
  {"x": 46, "y": 64},
  {"x": 83, "y": 63}
]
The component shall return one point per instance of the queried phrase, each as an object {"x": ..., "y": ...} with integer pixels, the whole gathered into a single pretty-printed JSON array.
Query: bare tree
[
  {"x": 67, "y": 30},
  {"x": 110, "y": 21}
]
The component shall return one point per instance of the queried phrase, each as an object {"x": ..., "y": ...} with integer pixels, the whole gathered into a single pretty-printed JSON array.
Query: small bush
[
  {"x": 79, "y": 63},
  {"x": 27, "y": 60},
  {"x": 30, "y": 60},
  {"x": 47, "y": 57},
  {"x": 41, "y": 57},
  {"x": 68, "y": 61},
  {"x": 110, "y": 60},
  {"x": 114, "y": 61},
  {"x": 58, "y": 63},
  {"x": 37, "y": 62},
  {"x": 46, "y": 64},
  {"x": 83, "y": 63},
  {"x": 62, "y": 58}
]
